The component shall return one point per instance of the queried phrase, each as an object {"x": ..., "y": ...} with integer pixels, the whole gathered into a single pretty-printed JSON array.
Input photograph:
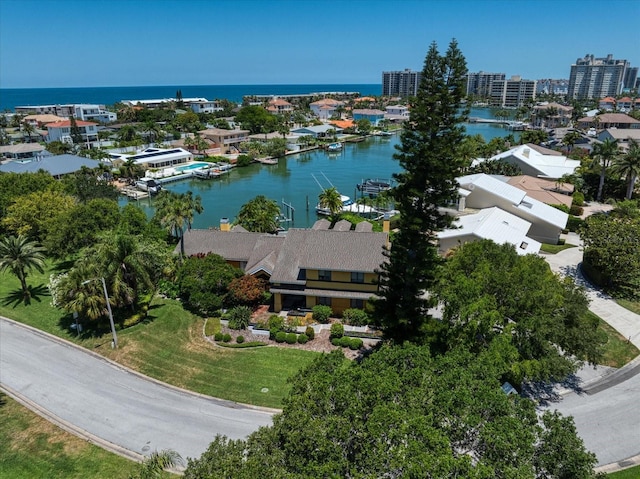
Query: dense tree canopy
[
  {"x": 611, "y": 252},
  {"x": 488, "y": 291},
  {"x": 13, "y": 185},
  {"x": 203, "y": 282},
  {"x": 257, "y": 120},
  {"x": 260, "y": 215},
  {"x": 402, "y": 413},
  {"x": 428, "y": 155}
]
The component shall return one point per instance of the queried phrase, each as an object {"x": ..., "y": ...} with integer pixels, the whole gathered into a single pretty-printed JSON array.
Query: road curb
[
  {"x": 620, "y": 465},
  {"x": 71, "y": 428},
  {"x": 186, "y": 392}
]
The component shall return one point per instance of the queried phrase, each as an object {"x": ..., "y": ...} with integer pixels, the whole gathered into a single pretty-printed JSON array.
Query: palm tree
[
  {"x": 330, "y": 199},
  {"x": 174, "y": 210},
  {"x": 628, "y": 166},
  {"x": 153, "y": 465},
  {"x": 604, "y": 154},
  {"x": 19, "y": 254},
  {"x": 571, "y": 138},
  {"x": 28, "y": 129}
]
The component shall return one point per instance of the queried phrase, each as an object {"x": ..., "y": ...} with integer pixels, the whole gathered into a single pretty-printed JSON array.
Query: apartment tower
[
  {"x": 400, "y": 83},
  {"x": 596, "y": 77}
]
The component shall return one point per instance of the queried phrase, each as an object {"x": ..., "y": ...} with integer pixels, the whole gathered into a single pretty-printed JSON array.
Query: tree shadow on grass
[{"x": 17, "y": 296}]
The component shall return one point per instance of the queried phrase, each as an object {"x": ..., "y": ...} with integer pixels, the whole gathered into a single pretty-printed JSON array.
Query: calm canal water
[{"x": 292, "y": 179}]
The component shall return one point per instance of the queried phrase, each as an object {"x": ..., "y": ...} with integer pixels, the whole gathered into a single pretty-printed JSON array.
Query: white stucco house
[
  {"x": 61, "y": 131},
  {"x": 537, "y": 161},
  {"x": 490, "y": 208}
]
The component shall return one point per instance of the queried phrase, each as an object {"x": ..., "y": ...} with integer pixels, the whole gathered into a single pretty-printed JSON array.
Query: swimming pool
[{"x": 192, "y": 166}]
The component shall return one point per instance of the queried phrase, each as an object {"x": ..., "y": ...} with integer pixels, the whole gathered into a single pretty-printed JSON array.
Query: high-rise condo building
[
  {"x": 512, "y": 93},
  {"x": 400, "y": 83},
  {"x": 480, "y": 83},
  {"x": 630, "y": 78},
  {"x": 596, "y": 77}
]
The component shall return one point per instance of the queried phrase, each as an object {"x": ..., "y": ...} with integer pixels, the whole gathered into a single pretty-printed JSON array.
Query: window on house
[
  {"x": 324, "y": 275},
  {"x": 357, "y": 277},
  {"x": 324, "y": 301},
  {"x": 357, "y": 303},
  {"x": 302, "y": 274}
]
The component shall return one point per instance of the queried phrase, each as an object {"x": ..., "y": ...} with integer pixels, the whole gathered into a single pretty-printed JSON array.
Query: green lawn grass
[
  {"x": 617, "y": 351},
  {"x": 555, "y": 248},
  {"x": 169, "y": 346},
  {"x": 631, "y": 473},
  {"x": 633, "y": 306},
  {"x": 32, "y": 448}
]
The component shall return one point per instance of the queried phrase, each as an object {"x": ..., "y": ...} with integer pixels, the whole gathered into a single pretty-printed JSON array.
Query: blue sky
[{"x": 58, "y": 43}]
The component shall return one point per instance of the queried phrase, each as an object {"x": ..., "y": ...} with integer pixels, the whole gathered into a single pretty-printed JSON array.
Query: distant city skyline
[{"x": 76, "y": 43}]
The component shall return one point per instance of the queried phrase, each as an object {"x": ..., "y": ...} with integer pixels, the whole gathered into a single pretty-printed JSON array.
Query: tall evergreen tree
[
  {"x": 76, "y": 135},
  {"x": 430, "y": 162}
]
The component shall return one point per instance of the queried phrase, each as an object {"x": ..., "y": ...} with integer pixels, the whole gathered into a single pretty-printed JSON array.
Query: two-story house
[
  {"x": 306, "y": 267},
  {"x": 374, "y": 116},
  {"x": 226, "y": 140},
  {"x": 61, "y": 131}
]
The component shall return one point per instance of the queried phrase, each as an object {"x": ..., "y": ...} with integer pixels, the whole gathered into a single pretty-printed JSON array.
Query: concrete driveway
[{"x": 110, "y": 405}]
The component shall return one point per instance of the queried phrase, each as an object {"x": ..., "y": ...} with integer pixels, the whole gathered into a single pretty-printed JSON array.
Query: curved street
[{"x": 110, "y": 405}]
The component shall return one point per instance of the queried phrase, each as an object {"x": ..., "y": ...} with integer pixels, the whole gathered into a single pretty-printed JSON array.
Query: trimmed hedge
[
  {"x": 240, "y": 339},
  {"x": 280, "y": 337},
  {"x": 355, "y": 317},
  {"x": 226, "y": 338},
  {"x": 291, "y": 338},
  {"x": 218, "y": 336},
  {"x": 310, "y": 333},
  {"x": 337, "y": 331},
  {"x": 321, "y": 313},
  {"x": 303, "y": 338}
]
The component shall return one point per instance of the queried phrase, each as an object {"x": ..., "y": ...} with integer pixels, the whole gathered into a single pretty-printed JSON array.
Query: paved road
[
  {"x": 120, "y": 408},
  {"x": 608, "y": 421}
]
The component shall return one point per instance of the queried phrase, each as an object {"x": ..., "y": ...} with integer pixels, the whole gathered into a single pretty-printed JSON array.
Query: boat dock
[{"x": 133, "y": 193}]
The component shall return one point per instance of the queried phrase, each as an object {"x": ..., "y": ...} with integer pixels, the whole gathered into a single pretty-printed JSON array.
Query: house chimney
[
  {"x": 386, "y": 223},
  {"x": 224, "y": 224}
]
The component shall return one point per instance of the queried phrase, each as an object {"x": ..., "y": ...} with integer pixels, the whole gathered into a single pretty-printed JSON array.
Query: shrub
[
  {"x": 576, "y": 210},
  {"x": 344, "y": 341},
  {"x": 226, "y": 338},
  {"x": 355, "y": 317},
  {"x": 578, "y": 198},
  {"x": 291, "y": 338},
  {"x": 337, "y": 331},
  {"x": 310, "y": 333},
  {"x": 281, "y": 337},
  {"x": 275, "y": 322},
  {"x": 321, "y": 313},
  {"x": 239, "y": 317},
  {"x": 293, "y": 321},
  {"x": 574, "y": 223},
  {"x": 218, "y": 336},
  {"x": 240, "y": 339},
  {"x": 355, "y": 343},
  {"x": 303, "y": 338},
  {"x": 335, "y": 341},
  {"x": 564, "y": 208},
  {"x": 244, "y": 160}
]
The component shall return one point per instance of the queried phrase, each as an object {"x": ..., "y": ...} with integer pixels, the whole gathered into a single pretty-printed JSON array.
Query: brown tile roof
[
  {"x": 610, "y": 118},
  {"x": 544, "y": 151},
  {"x": 543, "y": 190},
  {"x": 67, "y": 123}
]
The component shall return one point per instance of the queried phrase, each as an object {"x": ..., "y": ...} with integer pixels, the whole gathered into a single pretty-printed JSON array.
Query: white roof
[
  {"x": 496, "y": 225},
  {"x": 492, "y": 185},
  {"x": 517, "y": 197},
  {"x": 155, "y": 154},
  {"x": 548, "y": 166}
]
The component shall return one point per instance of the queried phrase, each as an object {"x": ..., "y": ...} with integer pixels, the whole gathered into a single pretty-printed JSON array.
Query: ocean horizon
[{"x": 13, "y": 97}]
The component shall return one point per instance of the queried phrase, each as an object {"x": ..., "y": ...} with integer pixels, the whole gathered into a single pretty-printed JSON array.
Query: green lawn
[
  {"x": 633, "y": 306},
  {"x": 170, "y": 347},
  {"x": 617, "y": 351},
  {"x": 555, "y": 248},
  {"x": 631, "y": 473},
  {"x": 32, "y": 448}
]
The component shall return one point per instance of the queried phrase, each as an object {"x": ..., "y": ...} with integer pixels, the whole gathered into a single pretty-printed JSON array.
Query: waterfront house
[
  {"x": 61, "y": 131},
  {"x": 624, "y": 104},
  {"x": 226, "y": 140},
  {"x": 318, "y": 131},
  {"x": 152, "y": 158},
  {"x": 326, "y": 108},
  {"x": 622, "y": 136},
  {"x": 538, "y": 161},
  {"x": 547, "y": 191},
  {"x": 81, "y": 111},
  {"x": 551, "y": 115},
  {"x": 396, "y": 113},
  {"x": 480, "y": 191},
  {"x": 306, "y": 267},
  {"x": 374, "y": 116}
]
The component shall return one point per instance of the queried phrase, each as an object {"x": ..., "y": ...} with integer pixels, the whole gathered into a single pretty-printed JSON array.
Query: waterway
[{"x": 292, "y": 179}]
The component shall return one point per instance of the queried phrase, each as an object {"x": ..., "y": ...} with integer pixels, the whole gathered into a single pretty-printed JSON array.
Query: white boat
[
  {"x": 149, "y": 185},
  {"x": 334, "y": 146},
  {"x": 346, "y": 203}
]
